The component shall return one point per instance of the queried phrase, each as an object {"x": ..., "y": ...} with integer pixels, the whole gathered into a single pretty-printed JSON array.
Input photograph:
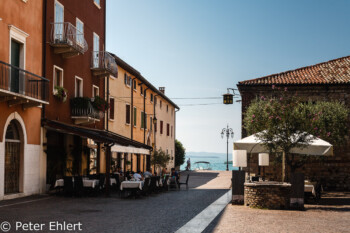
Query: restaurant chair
[
  {"x": 68, "y": 186},
  {"x": 146, "y": 186},
  {"x": 173, "y": 183},
  {"x": 165, "y": 183},
  {"x": 185, "y": 183},
  {"x": 153, "y": 185},
  {"x": 101, "y": 182},
  {"x": 78, "y": 186}
]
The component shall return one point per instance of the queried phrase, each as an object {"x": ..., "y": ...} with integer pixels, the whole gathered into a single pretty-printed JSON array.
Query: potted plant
[
  {"x": 61, "y": 93},
  {"x": 100, "y": 104}
]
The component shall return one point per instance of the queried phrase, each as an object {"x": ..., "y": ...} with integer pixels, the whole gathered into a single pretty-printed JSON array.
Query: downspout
[
  {"x": 144, "y": 115},
  {"x": 104, "y": 38},
  {"x": 154, "y": 127},
  {"x": 44, "y": 54},
  {"x": 176, "y": 110},
  {"x": 132, "y": 109}
]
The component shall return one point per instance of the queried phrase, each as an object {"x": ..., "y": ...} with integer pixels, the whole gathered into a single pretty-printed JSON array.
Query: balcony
[
  {"x": 20, "y": 87},
  {"x": 103, "y": 64},
  {"x": 67, "y": 40},
  {"x": 83, "y": 111}
]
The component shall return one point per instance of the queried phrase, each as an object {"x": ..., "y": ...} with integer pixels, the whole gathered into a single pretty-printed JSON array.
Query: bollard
[
  {"x": 297, "y": 191},
  {"x": 238, "y": 178}
]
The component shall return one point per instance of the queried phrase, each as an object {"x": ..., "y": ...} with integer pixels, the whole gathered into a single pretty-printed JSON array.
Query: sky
[{"x": 199, "y": 48}]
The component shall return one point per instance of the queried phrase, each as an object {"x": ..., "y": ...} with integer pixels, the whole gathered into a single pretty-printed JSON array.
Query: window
[
  {"x": 127, "y": 115},
  {"x": 135, "y": 116},
  {"x": 59, "y": 19},
  {"x": 145, "y": 93},
  {"x": 80, "y": 32},
  {"x": 160, "y": 104},
  {"x": 95, "y": 91},
  {"x": 141, "y": 90},
  {"x": 167, "y": 108},
  {"x": 111, "y": 108},
  {"x": 151, "y": 97},
  {"x": 150, "y": 123},
  {"x": 167, "y": 129},
  {"x": 171, "y": 131},
  {"x": 96, "y": 50},
  {"x": 78, "y": 87},
  {"x": 57, "y": 77},
  {"x": 161, "y": 127},
  {"x": 127, "y": 80},
  {"x": 142, "y": 120},
  {"x": 155, "y": 127},
  {"x": 155, "y": 100},
  {"x": 134, "y": 85},
  {"x": 97, "y": 3}
]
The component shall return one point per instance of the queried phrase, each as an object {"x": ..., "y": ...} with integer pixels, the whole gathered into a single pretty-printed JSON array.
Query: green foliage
[
  {"x": 80, "y": 102},
  {"x": 60, "y": 93},
  {"x": 284, "y": 121},
  {"x": 160, "y": 158},
  {"x": 100, "y": 104},
  {"x": 180, "y": 152}
]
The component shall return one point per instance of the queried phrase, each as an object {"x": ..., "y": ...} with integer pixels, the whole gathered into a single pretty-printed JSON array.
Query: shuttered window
[
  {"x": 127, "y": 115},
  {"x": 111, "y": 109},
  {"x": 167, "y": 129},
  {"x": 135, "y": 116},
  {"x": 161, "y": 127},
  {"x": 142, "y": 120}
]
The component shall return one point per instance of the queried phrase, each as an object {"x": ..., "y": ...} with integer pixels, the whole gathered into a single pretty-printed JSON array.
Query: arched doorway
[{"x": 13, "y": 145}]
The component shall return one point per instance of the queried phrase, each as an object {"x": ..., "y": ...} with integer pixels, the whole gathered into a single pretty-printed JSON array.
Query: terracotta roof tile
[{"x": 335, "y": 71}]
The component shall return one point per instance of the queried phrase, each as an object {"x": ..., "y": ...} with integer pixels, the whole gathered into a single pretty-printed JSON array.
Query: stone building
[{"x": 324, "y": 81}]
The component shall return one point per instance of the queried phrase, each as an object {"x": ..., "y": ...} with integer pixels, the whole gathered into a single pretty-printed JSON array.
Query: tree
[
  {"x": 160, "y": 158},
  {"x": 284, "y": 121},
  {"x": 180, "y": 152}
]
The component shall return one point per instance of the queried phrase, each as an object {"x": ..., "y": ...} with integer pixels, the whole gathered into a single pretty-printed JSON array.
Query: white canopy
[
  {"x": 253, "y": 145},
  {"x": 130, "y": 149}
]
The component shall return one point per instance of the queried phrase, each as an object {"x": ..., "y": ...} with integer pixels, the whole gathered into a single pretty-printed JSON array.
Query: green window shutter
[
  {"x": 135, "y": 116},
  {"x": 142, "y": 120}
]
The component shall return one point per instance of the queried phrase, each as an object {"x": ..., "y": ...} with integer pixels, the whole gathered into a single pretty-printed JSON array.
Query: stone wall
[
  {"x": 332, "y": 171},
  {"x": 264, "y": 195}
]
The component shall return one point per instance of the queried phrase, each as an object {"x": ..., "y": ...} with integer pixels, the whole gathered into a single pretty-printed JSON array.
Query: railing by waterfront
[
  {"x": 82, "y": 107},
  {"x": 19, "y": 81},
  {"x": 66, "y": 34},
  {"x": 103, "y": 60}
]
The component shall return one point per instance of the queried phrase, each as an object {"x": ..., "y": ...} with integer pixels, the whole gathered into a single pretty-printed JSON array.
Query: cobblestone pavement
[
  {"x": 163, "y": 212},
  {"x": 332, "y": 214}
]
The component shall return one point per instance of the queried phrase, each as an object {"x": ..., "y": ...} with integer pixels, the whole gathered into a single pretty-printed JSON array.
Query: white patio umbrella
[{"x": 316, "y": 146}]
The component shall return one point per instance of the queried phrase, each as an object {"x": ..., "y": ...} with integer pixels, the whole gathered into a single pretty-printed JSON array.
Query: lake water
[{"x": 217, "y": 163}]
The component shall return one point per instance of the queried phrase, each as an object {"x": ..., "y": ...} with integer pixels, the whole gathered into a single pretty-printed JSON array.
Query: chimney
[{"x": 162, "y": 89}]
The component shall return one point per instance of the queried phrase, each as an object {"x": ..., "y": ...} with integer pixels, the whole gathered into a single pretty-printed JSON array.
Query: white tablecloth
[
  {"x": 86, "y": 183},
  {"x": 309, "y": 188},
  {"x": 131, "y": 185},
  {"x": 112, "y": 181}
]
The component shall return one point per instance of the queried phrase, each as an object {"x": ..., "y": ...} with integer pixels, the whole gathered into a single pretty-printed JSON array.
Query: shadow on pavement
[{"x": 197, "y": 179}]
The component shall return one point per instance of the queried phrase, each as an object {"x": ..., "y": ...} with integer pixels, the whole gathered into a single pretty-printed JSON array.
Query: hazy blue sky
[{"x": 199, "y": 48}]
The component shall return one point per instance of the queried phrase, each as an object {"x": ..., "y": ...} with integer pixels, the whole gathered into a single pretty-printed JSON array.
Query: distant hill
[{"x": 206, "y": 155}]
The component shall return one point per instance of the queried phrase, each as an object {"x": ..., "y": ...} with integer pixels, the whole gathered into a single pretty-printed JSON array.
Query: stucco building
[
  {"x": 23, "y": 93},
  {"x": 324, "y": 81}
]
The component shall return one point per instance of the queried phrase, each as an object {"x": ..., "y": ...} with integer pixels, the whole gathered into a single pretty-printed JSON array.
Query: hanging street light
[
  {"x": 228, "y": 97},
  {"x": 229, "y": 132}
]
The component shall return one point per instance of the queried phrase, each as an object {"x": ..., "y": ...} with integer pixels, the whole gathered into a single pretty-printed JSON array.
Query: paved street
[{"x": 163, "y": 212}]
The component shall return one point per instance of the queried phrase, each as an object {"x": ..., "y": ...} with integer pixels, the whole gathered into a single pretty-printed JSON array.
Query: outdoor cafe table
[
  {"x": 86, "y": 183},
  {"x": 131, "y": 185}
]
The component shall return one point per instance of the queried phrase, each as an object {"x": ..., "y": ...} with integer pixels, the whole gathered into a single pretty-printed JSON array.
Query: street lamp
[
  {"x": 228, "y": 131},
  {"x": 228, "y": 97}
]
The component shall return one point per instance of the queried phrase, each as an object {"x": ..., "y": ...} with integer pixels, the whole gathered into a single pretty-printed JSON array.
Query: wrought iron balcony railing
[
  {"x": 15, "y": 81},
  {"x": 65, "y": 34},
  {"x": 82, "y": 108},
  {"x": 103, "y": 61}
]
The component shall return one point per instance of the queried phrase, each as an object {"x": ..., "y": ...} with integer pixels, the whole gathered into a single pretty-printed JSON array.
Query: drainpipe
[
  {"x": 44, "y": 54},
  {"x": 132, "y": 109},
  {"x": 154, "y": 127},
  {"x": 144, "y": 115},
  {"x": 175, "y": 131}
]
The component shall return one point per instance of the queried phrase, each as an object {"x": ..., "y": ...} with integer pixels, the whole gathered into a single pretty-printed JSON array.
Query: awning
[
  {"x": 130, "y": 149},
  {"x": 316, "y": 146},
  {"x": 97, "y": 135}
]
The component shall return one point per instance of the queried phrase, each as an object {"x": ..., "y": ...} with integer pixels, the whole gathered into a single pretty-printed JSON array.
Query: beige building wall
[
  {"x": 121, "y": 94},
  {"x": 163, "y": 141}
]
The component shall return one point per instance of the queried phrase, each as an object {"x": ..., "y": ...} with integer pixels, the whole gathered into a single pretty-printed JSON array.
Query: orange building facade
[{"x": 23, "y": 93}]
